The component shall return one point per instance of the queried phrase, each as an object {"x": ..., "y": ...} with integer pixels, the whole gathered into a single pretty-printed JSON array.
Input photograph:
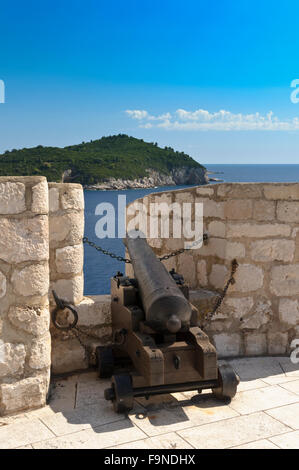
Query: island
[{"x": 113, "y": 162}]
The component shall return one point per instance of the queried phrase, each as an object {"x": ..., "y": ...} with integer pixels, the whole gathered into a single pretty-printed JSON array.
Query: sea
[{"x": 98, "y": 268}]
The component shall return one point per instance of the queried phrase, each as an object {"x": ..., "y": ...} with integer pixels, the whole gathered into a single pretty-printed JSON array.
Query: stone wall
[
  {"x": 66, "y": 227},
  {"x": 41, "y": 230},
  {"x": 258, "y": 224},
  {"x": 24, "y": 283}
]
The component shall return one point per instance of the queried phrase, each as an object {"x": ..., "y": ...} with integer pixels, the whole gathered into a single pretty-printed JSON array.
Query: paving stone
[
  {"x": 205, "y": 410},
  {"x": 166, "y": 441},
  {"x": 63, "y": 394},
  {"x": 233, "y": 432},
  {"x": 290, "y": 369},
  {"x": 251, "y": 385},
  {"x": 256, "y": 368},
  {"x": 166, "y": 421},
  {"x": 89, "y": 393},
  {"x": 278, "y": 379},
  {"x": 292, "y": 386},
  {"x": 261, "y": 444},
  {"x": 289, "y": 440},
  {"x": 262, "y": 399},
  {"x": 156, "y": 402},
  {"x": 288, "y": 415},
  {"x": 72, "y": 421},
  {"x": 22, "y": 433},
  {"x": 25, "y": 447},
  {"x": 98, "y": 438},
  {"x": 88, "y": 376}
]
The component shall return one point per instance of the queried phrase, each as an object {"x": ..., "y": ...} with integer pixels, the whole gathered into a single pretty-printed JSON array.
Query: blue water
[
  {"x": 255, "y": 173},
  {"x": 98, "y": 268}
]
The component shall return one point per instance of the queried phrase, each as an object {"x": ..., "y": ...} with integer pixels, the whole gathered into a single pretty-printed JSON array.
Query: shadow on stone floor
[{"x": 79, "y": 399}]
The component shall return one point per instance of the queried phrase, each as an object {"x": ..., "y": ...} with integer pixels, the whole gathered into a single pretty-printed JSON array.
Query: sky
[{"x": 210, "y": 78}]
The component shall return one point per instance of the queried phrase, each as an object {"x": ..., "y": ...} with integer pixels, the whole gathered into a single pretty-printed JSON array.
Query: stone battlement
[
  {"x": 42, "y": 226},
  {"x": 258, "y": 224}
]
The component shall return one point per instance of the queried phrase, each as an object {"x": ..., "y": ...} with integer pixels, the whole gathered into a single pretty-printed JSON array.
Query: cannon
[{"x": 158, "y": 345}]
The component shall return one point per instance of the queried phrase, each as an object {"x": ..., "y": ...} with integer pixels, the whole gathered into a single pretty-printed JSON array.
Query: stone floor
[{"x": 264, "y": 414}]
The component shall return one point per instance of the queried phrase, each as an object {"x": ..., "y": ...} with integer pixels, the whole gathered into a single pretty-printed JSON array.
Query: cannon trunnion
[{"x": 158, "y": 346}]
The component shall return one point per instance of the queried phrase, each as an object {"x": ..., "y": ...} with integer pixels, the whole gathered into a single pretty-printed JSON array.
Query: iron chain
[
  {"x": 127, "y": 260},
  {"x": 105, "y": 252},
  {"x": 219, "y": 300}
]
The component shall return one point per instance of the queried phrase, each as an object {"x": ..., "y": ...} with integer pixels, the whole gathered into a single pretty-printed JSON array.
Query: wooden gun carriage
[{"x": 159, "y": 347}]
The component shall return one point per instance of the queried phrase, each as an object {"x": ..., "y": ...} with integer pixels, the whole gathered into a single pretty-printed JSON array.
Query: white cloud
[
  {"x": 203, "y": 120},
  {"x": 137, "y": 114}
]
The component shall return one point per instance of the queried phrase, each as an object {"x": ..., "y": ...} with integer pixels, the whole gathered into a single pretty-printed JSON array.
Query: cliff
[{"x": 177, "y": 176}]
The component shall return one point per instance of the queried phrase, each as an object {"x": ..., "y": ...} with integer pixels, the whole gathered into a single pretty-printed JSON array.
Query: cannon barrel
[{"x": 164, "y": 304}]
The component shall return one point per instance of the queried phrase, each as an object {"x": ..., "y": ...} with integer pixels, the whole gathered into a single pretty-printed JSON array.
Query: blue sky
[{"x": 72, "y": 70}]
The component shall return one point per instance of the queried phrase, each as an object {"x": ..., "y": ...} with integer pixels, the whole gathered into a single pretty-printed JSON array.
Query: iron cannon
[{"x": 158, "y": 345}]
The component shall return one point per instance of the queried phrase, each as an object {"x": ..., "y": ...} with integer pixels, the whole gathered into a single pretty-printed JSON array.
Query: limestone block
[
  {"x": 238, "y": 209},
  {"x": 164, "y": 197},
  {"x": 184, "y": 196},
  {"x": 69, "y": 259},
  {"x": 2, "y": 285},
  {"x": 72, "y": 198},
  {"x": 40, "y": 200},
  {"x": 205, "y": 191},
  {"x": 287, "y": 192},
  {"x": 285, "y": 280},
  {"x": 212, "y": 208},
  {"x": 289, "y": 311},
  {"x": 12, "y": 198},
  {"x": 31, "y": 280},
  {"x": 263, "y": 210},
  {"x": 33, "y": 320},
  {"x": 94, "y": 310},
  {"x": 238, "y": 306},
  {"x": 40, "y": 355},
  {"x": 217, "y": 228},
  {"x": 53, "y": 199},
  {"x": 186, "y": 267},
  {"x": 223, "y": 249},
  {"x": 24, "y": 239},
  {"x": 255, "y": 344},
  {"x": 227, "y": 345},
  {"x": 234, "y": 250},
  {"x": 214, "y": 247},
  {"x": 238, "y": 230},
  {"x": 204, "y": 300},
  {"x": 202, "y": 276},
  {"x": 277, "y": 343},
  {"x": 218, "y": 276},
  {"x": 70, "y": 290},
  {"x": 12, "y": 358},
  {"x": 248, "y": 278},
  {"x": 24, "y": 394},
  {"x": 155, "y": 242},
  {"x": 296, "y": 257},
  {"x": 168, "y": 263},
  {"x": 67, "y": 356},
  {"x": 173, "y": 244},
  {"x": 273, "y": 250},
  {"x": 240, "y": 190},
  {"x": 288, "y": 211},
  {"x": 67, "y": 227},
  {"x": 260, "y": 315}
]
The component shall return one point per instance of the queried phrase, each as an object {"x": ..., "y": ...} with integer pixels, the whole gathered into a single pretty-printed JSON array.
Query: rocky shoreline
[{"x": 177, "y": 176}]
